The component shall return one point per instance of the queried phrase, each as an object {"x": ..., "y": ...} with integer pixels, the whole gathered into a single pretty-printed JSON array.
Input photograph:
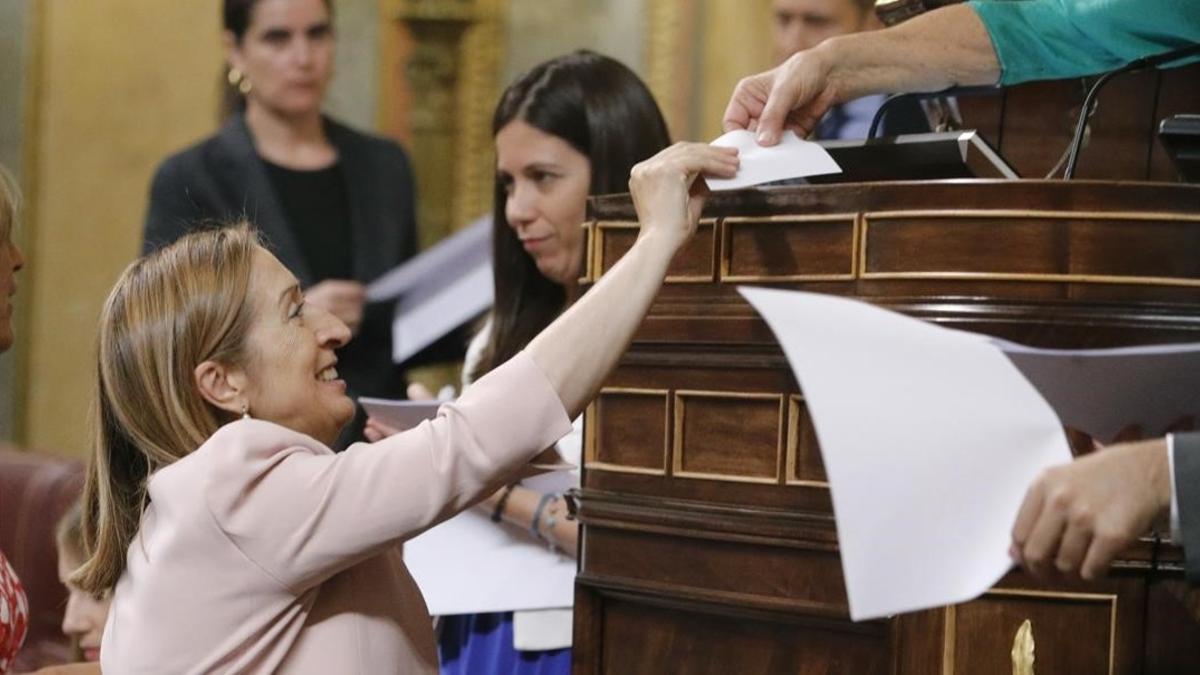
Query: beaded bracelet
[{"x": 534, "y": 528}]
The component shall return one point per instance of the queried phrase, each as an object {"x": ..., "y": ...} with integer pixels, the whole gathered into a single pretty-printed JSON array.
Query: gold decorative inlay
[{"x": 1022, "y": 649}]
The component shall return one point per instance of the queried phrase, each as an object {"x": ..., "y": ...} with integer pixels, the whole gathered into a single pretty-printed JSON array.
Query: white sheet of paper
[
  {"x": 401, "y": 414},
  {"x": 1101, "y": 391},
  {"x": 439, "y": 265},
  {"x": 469, "y": 564},
  {"x": 793, "y": 157},
  {"x": 930, "y": 438},
  {"x": 425, "y": 315}
]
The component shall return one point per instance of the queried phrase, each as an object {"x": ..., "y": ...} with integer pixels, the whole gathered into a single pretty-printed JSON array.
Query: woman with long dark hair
[{"x": 569, "y": 128}]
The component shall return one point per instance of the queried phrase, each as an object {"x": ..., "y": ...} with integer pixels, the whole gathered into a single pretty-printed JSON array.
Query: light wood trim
[
  {"x": 589, "y": 253},
  {"x": 677, "y": 445},
  {"x": 793, "y": 446},
  {"x": 1016, "y": 276},
  {"x": 1036, "y": 213},
  {"x": 1071, "y": 278},
  {"x": 949, "y": 639},
  {"x": 1051, "y": 595},
  {"x": 589, "y": 433},
  {"x": 726, "y": 250}
]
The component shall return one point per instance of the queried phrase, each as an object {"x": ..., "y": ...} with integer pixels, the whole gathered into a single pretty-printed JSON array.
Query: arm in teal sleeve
[{"x": 1054, "y": 39}]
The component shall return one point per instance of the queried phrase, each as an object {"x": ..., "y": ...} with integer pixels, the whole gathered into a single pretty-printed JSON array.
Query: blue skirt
[{"x": 482, "y": 644}]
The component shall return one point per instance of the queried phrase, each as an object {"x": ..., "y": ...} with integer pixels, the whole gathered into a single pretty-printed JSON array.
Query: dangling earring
[
  {"x": 245, "y": 411},
  {"x": 239, "y": 80}
]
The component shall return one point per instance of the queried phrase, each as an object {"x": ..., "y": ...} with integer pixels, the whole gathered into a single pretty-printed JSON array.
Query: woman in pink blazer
[{"x": 231, "y": 537}]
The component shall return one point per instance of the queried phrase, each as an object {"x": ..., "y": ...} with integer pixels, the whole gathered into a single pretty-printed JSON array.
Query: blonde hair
[
  {"x": 169, "y": 312},
  {"x": 68, "y": 534},
  {"x": 10, "y": 203}
]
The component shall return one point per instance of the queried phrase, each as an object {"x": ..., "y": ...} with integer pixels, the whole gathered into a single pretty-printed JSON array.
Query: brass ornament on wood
[{"x": 1022, "y": 649}]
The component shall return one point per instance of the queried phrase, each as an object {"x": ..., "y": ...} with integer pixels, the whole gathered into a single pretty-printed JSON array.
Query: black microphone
[{"x": 1089, "y": 101}]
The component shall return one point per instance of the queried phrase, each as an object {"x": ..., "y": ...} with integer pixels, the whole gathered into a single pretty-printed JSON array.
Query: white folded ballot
[
  {"x": 791, "y": 158},
  {"x": 932, "y": 436},
  {"x": 439, "y": 290}
]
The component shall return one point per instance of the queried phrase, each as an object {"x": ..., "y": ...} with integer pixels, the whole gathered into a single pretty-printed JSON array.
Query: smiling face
[
  {"x": 546, "y": 183},
  {"x": 84, "y": 615},
  {"x": 290, "y": 375},
  {"x": 286, "y": 54}
]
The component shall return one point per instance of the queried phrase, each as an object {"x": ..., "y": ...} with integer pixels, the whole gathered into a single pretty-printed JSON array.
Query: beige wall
[
  {"x": 117, "y": 85},
  {"x": 14, "y": 51}
]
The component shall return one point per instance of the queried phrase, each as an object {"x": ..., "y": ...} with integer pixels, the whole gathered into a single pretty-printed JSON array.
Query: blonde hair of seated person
[
  {"x": 85, "y": 613},
  {"x": 167, "y": 313}
]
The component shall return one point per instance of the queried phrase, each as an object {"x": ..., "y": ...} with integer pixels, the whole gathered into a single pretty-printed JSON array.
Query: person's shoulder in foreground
[{"x": 1054, "y": 39}]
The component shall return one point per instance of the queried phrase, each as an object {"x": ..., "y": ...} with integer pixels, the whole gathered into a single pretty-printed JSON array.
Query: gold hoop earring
[{"x": 245, "y": 411}]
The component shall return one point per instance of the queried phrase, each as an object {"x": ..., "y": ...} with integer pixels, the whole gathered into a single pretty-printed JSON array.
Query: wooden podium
[{"x": 708, "y": 542}]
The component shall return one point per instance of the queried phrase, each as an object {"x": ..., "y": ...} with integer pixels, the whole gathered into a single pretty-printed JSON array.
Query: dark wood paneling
[
  {"x": 1178, "y": 92},
  {"x": 966, "y": 243},
  {"x": 631, "y": 429},
  {"x": 785, "y": 248},
  {"x": 648, "y": 639},
  {"x": 733, "y": 436},
  {"x": 706, "y": 572},
  {"x": 802, "y": 444},
  {"x": 1072, "y": 635},
  {"x": 758, "y": 575},
  {"x": 1147, "y": 248},
  {"x": 694, "y": 262}
]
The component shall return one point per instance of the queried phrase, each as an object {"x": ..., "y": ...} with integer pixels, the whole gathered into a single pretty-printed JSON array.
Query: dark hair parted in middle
[
  {"x": 605, "y": 112},
  {"x": 237, "y": 14}
]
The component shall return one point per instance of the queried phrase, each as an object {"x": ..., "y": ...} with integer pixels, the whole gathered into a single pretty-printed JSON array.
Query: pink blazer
[{"x": 264, "y": 551}]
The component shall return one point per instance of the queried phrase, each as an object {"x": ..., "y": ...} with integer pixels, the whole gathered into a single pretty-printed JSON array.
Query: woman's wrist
[{"x": 660, "y": 241}]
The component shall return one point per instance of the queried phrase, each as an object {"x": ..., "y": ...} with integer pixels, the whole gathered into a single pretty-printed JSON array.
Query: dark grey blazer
[
  {"x": 223, "y": 178},
  {"x": 1187, "y": 493}
]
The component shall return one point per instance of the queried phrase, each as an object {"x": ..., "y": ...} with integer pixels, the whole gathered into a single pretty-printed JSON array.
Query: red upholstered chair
[{"x": 35, "y": 491}]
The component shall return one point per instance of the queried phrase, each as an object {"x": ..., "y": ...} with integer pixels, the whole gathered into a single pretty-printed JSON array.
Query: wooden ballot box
[{"x": 708, "y": 542}]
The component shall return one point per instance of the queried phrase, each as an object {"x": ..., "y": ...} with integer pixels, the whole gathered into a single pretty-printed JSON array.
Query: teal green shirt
[{"x": 1055, "y": 39}]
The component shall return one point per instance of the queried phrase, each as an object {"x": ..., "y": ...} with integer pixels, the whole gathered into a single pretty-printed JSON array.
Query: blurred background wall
[{"x": 94, "y": 94}]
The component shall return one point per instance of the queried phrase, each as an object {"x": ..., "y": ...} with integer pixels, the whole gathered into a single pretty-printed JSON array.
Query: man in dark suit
[{"x": 798, "y": 25}]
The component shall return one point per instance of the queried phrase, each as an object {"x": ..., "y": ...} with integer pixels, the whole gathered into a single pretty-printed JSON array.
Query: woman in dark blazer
[{"x": 336, "y": 206}]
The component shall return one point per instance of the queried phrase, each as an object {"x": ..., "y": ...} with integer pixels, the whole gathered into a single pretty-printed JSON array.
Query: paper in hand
[
  {"x": 930, "y": 437},
  {"x": 792, "y": 157}
]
